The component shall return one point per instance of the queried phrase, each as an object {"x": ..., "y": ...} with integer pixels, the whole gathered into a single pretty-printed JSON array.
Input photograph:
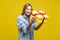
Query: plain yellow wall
[{"x": 10, "y": 9}]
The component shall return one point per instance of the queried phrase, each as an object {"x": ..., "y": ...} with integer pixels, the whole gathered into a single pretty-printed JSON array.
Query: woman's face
[{"x": 28, "y": 10}]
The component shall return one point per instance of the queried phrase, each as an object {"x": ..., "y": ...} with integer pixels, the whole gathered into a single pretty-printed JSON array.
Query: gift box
[{"x": 39, "y": 16}]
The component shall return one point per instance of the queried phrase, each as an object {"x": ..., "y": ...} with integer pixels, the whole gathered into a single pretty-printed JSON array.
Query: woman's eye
[
  {"x": 27, "y": 9},
  {"x": 31, "y": 9}
]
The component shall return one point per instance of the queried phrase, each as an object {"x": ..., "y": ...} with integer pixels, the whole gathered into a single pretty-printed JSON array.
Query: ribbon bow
[{"x": 39, "y": 13}]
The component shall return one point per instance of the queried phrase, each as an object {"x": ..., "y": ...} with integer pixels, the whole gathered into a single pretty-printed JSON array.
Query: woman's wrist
[{"x": 30, "y": 23}]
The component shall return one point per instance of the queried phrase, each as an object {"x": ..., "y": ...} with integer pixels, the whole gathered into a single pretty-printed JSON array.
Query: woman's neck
[{"x": 28, "y": 16}]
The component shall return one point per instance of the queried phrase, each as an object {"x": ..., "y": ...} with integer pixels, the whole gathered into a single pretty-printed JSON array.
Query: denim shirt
[{"x": 23, "y": 33}]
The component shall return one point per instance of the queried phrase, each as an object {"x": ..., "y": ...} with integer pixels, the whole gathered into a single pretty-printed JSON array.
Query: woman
[{"x": 25, "y": 25}]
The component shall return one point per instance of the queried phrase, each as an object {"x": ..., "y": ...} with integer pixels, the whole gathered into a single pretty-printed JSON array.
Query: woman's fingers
[
  {"x": 43, "y": 20},
  {"x": 33, "y": 19}
]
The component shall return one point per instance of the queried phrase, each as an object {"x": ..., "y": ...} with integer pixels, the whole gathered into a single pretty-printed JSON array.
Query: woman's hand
[
  {"x": 32, "y": 19},
  {"x": 30, "y": 23},
  {"x": 40, "y": 24}
]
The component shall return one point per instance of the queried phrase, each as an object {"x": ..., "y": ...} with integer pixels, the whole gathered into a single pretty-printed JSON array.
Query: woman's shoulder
[{"x": 20, "y": 16}]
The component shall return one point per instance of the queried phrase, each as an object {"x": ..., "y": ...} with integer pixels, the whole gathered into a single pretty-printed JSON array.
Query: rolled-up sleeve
[
  {"x": 34, "y": 25},
  {"x": 21, "y": 25}
]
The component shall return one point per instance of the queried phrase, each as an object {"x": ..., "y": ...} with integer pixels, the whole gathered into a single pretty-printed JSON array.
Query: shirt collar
[{"x": 26, "y": 17}]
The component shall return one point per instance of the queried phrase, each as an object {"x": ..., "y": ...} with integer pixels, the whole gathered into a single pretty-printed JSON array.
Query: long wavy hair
[{"x": 25, "y": 6}]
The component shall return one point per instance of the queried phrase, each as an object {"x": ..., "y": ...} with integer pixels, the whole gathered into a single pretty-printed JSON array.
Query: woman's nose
[{"x": 29, "y": 10}]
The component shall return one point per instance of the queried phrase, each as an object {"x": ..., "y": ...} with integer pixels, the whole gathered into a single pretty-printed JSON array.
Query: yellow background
[{"x": 10, "y": 9}]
